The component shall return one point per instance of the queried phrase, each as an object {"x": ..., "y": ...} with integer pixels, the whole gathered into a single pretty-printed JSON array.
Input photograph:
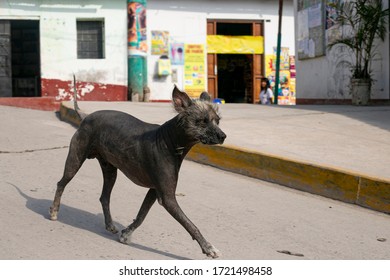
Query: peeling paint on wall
[
  {"x": 88, "y": 88},
  {"x": 63, "y": 90}
]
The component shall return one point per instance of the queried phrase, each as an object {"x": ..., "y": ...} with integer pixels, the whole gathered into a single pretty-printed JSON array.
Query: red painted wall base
[
  {"x": 36, "y": 103},
  {"x": 88, "y": 91}
]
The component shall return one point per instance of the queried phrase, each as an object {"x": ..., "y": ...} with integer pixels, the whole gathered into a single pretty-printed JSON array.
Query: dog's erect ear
[
  {"x": 181, "y": 100},
  {"x": 205, "y": 96}
]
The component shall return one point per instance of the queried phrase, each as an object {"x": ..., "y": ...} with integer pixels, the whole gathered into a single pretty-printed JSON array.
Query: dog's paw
[
  {"x": 111, "y": 228},
  {"x": 53, "y": 214},
  {"x": 125, "y": 238},
  {"x": 212, "y": 252}
]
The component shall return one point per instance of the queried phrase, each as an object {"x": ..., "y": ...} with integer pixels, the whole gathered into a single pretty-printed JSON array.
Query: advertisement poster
[
  {"x": 284, "y": 59},
  {"x": 292, "y": 80},
  {"x": 314, "y": 16},
  {"x": 311, "y": 29},
  {"x": 333, "y": 32},
  {"x": 286, "y": 95},
  {"x": 136, "y": 27},
  {"x": 177, "y": 53},
  {"x": 194, "y": 69},
  {"x": 160, "y": 42}
]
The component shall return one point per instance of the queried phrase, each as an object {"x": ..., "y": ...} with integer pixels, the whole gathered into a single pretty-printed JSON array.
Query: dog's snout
[{"x": 222, "y": 136}]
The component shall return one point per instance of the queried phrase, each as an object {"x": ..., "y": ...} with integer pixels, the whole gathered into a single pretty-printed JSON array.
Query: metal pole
[
  {"x": 277, "y": 77},
  {"x": 137, "y": 72}
]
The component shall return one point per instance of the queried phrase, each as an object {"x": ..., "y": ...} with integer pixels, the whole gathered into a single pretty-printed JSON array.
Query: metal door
[{"x": 5, "y": 59}]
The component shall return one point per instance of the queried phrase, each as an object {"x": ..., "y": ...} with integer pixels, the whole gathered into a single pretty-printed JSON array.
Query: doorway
[
  {"x": 20, "y": 58},
  {"x": 235, "y": 77}
]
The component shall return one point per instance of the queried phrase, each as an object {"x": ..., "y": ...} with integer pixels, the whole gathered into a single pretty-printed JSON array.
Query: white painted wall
[
  {"x": 327, "y": 77},
  {"x": 186, "y": 22},
  {"x": 59, "y": 38},
  {"x": 184, "y": 19}
]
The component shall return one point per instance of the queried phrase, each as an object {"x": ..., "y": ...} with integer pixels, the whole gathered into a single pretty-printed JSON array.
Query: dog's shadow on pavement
[{"x": 83, "y": 220}]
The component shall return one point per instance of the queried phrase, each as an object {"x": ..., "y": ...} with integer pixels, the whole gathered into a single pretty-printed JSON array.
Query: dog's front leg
[
  {"x": 170, "y": 204},
  {"x": 148, "y": 202}
]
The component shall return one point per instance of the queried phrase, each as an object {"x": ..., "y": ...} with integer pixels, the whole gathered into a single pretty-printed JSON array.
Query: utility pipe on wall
[{"x": 277, "y": 74}]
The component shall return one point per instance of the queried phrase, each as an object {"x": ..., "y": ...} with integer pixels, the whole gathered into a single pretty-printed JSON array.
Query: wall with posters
[
  {"x": 323, "y": 75},
  {"x": 184, "y": 23},
  {"x": 171, "y": 27}
]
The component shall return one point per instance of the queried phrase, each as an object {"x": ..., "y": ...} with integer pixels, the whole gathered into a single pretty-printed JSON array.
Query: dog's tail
[{"x": 75, "y": 104}]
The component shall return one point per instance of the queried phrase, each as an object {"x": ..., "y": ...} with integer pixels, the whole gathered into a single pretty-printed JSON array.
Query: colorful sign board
[{"x": 194, "y": 69}]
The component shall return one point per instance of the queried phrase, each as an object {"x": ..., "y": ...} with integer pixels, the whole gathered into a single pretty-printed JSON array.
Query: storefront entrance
[{"x": 235, "y": 77}]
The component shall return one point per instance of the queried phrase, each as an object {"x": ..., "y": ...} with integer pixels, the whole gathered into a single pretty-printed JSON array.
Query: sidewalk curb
[
  {"x": 330, "y": 182},
  {"x": 35, "y": 103},
  {"x": 373, "y": 193}
]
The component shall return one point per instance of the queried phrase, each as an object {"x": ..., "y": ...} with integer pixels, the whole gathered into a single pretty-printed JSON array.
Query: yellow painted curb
[
  {"x": 374, "y": 194},
  {"x": 321, "y": 180}
]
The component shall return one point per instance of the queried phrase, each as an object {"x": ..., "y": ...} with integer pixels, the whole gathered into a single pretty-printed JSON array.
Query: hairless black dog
[{"x": 148, "y": 154}]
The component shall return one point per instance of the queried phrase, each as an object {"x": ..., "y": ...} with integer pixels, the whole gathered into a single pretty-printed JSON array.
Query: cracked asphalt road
[{"x": 243, "y": 217}]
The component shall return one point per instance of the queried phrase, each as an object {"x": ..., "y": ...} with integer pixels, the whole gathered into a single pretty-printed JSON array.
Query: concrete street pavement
[
  {"x": 341, "y": 152},
  {"x": 245, "y": 218}
]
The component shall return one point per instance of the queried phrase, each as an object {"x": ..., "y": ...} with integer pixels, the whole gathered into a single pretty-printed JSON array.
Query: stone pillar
[{"x": 137, "y": 51}]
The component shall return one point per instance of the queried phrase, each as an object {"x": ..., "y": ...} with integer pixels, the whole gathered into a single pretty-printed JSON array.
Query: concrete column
[{"x": 137, "y": 51}]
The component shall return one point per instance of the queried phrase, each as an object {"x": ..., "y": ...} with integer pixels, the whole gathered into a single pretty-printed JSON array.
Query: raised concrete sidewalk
[{"x": 340, "y": 152}]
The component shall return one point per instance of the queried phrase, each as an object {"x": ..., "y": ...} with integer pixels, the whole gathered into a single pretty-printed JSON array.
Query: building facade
[
  {"x": 324, "y": 75},
  {"x": 46, "y": 42},
  {"x": 230, "y": 72},
  {"x": 223, "y": 47}
]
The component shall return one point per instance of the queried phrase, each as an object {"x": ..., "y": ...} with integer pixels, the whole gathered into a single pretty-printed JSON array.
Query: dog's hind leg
[
  {"x": 76, "y": 157},
  {"x": 148, "y": 202},
  {"x": 109, "y": 174}
]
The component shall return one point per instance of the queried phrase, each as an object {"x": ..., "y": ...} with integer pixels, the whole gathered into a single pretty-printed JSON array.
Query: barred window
[{"x": 90, "y": 39}]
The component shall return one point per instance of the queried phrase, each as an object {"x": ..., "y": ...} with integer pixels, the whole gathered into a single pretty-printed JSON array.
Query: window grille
[{"x": 90, "y": 39}]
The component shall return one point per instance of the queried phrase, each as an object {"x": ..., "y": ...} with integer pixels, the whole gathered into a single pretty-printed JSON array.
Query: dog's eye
[
  {"x": 201, "y": 121},
  {"x": 216, "y": 121}
]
